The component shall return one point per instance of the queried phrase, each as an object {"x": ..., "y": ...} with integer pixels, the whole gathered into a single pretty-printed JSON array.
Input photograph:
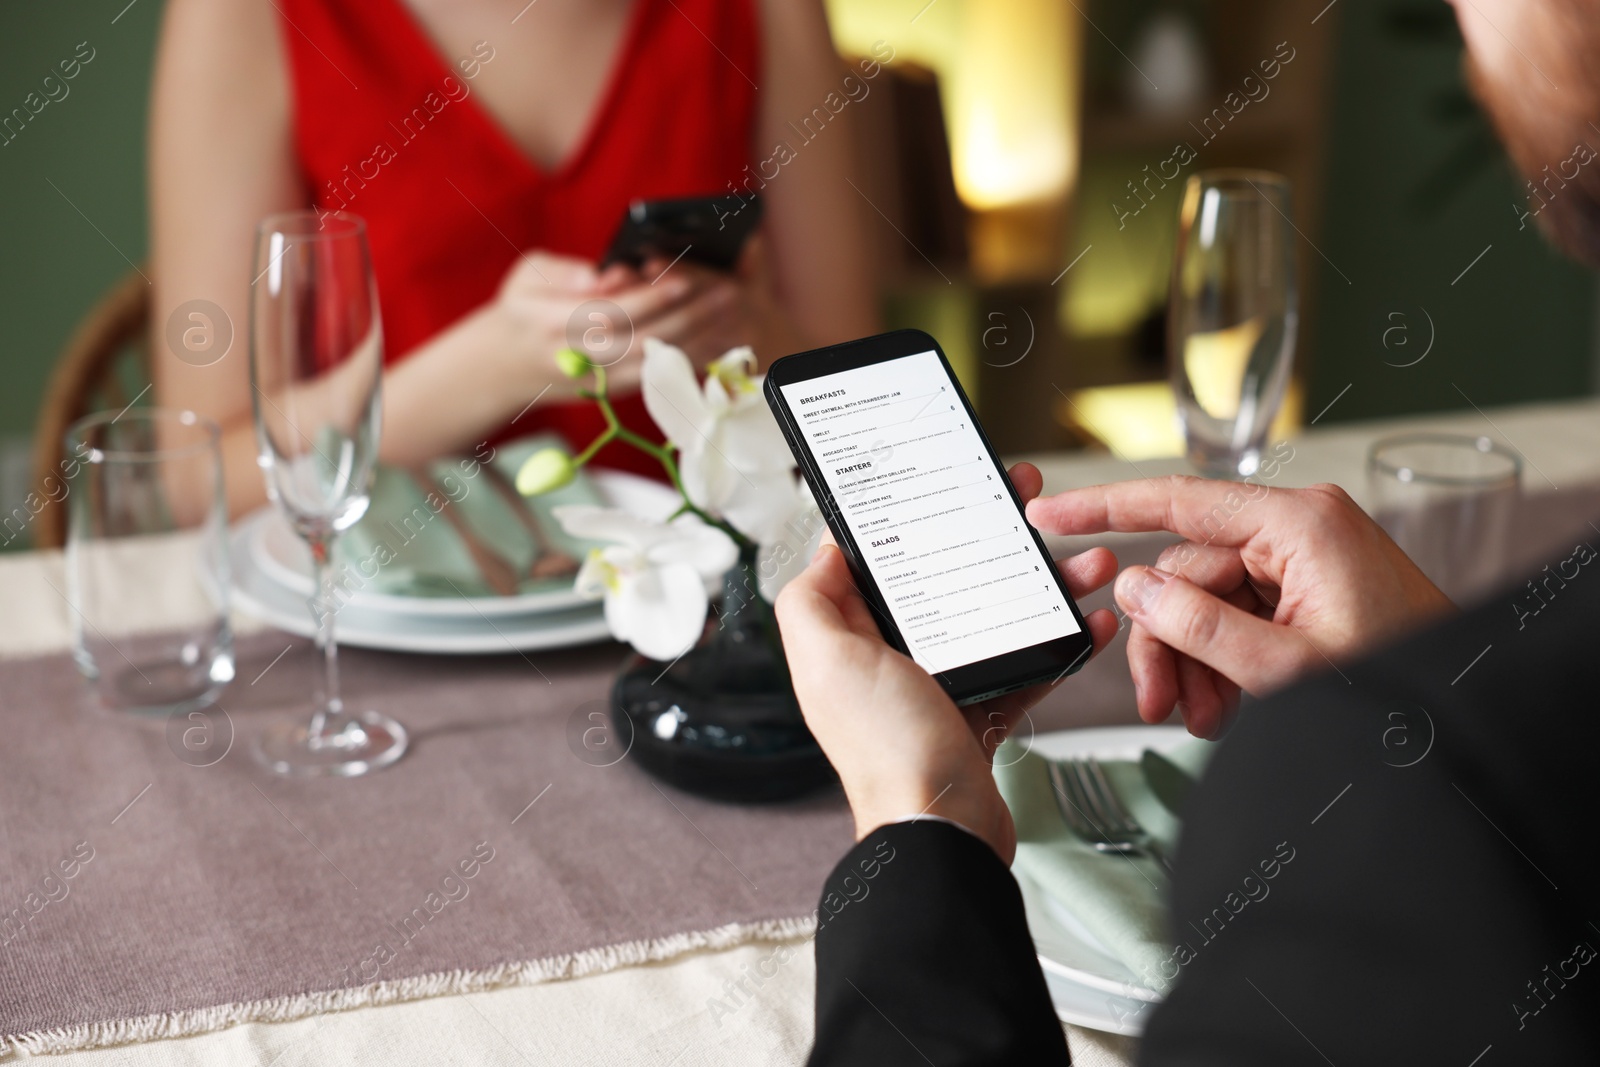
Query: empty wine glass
[
  {"x": 316, "y": 359},
  {"x": 1232, "y": 315}
]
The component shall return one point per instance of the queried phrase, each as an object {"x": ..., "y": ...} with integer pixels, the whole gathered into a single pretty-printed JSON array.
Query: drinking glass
[
  {"x": 316, "y": 358},
  {"x": 1447, "y": 500},
  {"x": 1232, "y": 314},
  {"x": 147, "y": 565}
]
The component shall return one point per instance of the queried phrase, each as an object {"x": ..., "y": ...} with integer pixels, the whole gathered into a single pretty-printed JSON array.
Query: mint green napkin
[
  {"x": 1121, "y": 900},
  {"x": 402, "y": 547}
]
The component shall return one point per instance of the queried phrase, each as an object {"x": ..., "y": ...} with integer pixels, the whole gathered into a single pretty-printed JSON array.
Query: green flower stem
[{"x": 663, "y": 454}]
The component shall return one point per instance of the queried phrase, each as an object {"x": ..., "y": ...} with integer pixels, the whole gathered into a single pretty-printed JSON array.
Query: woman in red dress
[{"x": 492, "y": 146}]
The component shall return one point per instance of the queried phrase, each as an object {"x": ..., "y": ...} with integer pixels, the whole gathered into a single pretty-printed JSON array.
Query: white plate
[
  {"x": 280, "y": 556},
  {"x": 1093, "y": 1009},
  {"x": 1089, "y": 985},
  {"x": 257, "y": 595}
]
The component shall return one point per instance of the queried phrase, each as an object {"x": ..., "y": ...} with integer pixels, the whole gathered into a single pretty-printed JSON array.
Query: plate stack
[
  {"x": 1090, "y": 981},
  {"x": 445, "y": 561}
]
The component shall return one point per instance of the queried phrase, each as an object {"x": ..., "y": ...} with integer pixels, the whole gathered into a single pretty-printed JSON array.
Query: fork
[{"x": 1095, "y": 813}]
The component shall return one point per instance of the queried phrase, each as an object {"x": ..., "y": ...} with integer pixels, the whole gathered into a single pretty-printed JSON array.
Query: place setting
[
  {"x": 490, "y": 571},
  {"x": 1098, "y": 813}
]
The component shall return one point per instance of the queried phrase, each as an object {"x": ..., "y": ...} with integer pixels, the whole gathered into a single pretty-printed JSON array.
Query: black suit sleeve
[
  {"x": 1396, "y": 863},
  {"x": 923, "y": 956}
]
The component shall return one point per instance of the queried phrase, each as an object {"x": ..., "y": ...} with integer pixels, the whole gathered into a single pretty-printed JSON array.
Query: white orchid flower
[
  {"x": 732, "y": 458},
  {"x": 652, "y": 576},
  {"x": 790, "y": 537}
]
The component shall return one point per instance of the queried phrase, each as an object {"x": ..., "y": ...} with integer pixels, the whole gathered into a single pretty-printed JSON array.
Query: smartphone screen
[{"x": 932, "y": 516}]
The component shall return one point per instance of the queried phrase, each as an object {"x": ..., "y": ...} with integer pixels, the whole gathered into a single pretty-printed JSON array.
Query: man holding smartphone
[
  {"x": 1443, "y": 912},
  {"x": 919, "y": 503}
]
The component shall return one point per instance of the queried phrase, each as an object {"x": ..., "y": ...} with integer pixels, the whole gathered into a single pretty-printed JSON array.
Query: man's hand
[
  {"x": 1270, "y": 583},
  {"x": 900, "y": 745}
]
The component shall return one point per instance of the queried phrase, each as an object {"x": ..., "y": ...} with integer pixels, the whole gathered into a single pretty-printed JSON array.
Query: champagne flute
[
  {"x": 1232, "y": 316},
  {"x": 316, "y": 360}
]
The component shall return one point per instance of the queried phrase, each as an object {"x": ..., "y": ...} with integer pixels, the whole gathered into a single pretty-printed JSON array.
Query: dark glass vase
[{"x": 722, "y": 722}]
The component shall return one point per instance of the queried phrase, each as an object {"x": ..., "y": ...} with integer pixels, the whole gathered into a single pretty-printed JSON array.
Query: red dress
[{"x": 387, "y": 128}]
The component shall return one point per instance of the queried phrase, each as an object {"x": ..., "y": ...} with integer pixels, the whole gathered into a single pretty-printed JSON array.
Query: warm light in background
[
  {"x": 1007, "y": 77},
  {"x": 1012, "y": 105},
  {"x": 918, "y": 31},
  {"x": 1132, "y": 263},
  {"x": 1141, "y": 421}
]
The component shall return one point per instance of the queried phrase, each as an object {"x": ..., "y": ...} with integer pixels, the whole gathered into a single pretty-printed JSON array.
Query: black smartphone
[
  {"x": 710, "y": 230},
  {"x": 926, "y": 516}
]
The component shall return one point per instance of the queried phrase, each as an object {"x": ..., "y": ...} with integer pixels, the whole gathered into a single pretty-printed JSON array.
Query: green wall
[
  {"x": 1416, "y": 190},
  {"x": 90, "y": 144}
]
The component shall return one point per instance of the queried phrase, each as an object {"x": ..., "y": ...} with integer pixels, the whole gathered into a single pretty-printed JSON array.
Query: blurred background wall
[
  {"x": 1016, "y": 159},
  {"x": 72, "y": 182}
]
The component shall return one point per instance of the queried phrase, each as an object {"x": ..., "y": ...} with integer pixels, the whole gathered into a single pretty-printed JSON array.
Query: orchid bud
[
  {"x": 572, "y": 363},
  {"x": 546, "y": 470}
]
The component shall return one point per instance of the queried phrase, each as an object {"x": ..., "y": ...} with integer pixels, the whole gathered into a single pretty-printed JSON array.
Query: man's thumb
[{"x": 1256, "y": 654}]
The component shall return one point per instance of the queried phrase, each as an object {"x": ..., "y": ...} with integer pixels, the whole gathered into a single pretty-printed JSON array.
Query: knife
[
  {"x": 548, "y": 560},
  {"x": 498, "y": 574},
  {"x": 1170, "y": 783}
]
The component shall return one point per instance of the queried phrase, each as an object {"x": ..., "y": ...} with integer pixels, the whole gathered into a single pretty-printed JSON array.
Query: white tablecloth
[{"x": 662, "y": 1014}]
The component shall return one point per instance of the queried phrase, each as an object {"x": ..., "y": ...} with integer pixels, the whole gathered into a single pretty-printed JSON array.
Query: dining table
[{"x": 228, "y": 917}]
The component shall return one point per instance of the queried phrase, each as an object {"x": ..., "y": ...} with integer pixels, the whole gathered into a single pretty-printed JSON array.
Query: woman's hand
[
  {"x": 544, "y": 305},
  {"x": 1271, "y": 584},
  {"x": 545, "y": 301},
  {"x": 899, "y": 743},
  {"x": 500, "y": 360},
  {"x": 723, "y": 309}
]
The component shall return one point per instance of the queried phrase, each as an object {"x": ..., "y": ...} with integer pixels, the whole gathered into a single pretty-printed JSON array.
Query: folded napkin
[
  {"x": 417, "y": 552},
  {"x": 1120, "y": 900}
]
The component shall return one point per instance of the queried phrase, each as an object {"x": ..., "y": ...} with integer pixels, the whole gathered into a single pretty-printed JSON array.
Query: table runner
[
  {"x": 146, "y": 893},
  {"x": 47, "y": 691}
]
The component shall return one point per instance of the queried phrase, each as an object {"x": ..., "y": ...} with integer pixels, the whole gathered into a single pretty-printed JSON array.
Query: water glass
[
  {"x": 1233, "y": 312},
  {"x": 147, "y": 561},
  {"x": 1447, "y": 500}
]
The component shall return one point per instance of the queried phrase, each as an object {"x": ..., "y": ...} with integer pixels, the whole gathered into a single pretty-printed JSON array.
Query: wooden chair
[{"x": 104, "y": 366}]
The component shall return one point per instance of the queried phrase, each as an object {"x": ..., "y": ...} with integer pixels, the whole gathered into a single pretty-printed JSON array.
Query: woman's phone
[
  {"x": 924, "y": 512},
  {"x": 709, "y": 230}
]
